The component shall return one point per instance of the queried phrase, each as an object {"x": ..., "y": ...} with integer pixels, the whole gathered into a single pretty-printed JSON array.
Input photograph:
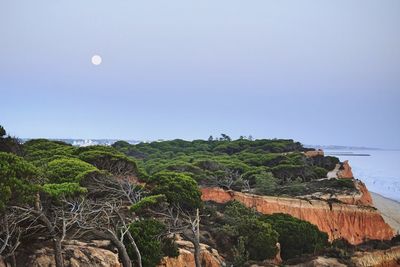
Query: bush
[
  {"x": 243, "y": 223},
  {"x": 147, "y": 202},
  {"x": 68, "y": 170},
  {"x": 260, "y": 238},
  {"x": 296, "y": 237},
  {"x": 148, "y": 235},
  {"x": 17, "y": 179},
  {"x": 178, "y": 188}
]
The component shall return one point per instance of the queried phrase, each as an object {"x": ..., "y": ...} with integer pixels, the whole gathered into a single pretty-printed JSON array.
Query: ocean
[{"x": 380, "y": 171}]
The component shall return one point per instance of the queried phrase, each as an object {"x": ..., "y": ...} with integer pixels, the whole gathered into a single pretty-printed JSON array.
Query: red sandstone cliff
[
  {"x": 345, "y": 171},
  {"x": 352, "y": 222}
]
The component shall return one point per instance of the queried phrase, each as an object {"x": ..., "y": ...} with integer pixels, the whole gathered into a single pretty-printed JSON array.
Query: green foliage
[
  {"x": 41, "y": 151},
  {"x": 266, "y": 183},
  {"x": 148, "y": 235},
  {"x": 259, "y": 237},
  {"x": 296, "y": 237},
  {"x": 178, "y": 188},
  {"x": 68, "y": 170},
  {"x": 320, "y": 172},
  {"x": 108, "y": 158},
  {"x": 63, "y": 189},
  {"x": 2, "y": 131},
  {"x": 240, "y": 254},
  {"x": 17, "y": 180},
  {"x": 147, "y": 202},
  {"x": 9, "y": 144}
]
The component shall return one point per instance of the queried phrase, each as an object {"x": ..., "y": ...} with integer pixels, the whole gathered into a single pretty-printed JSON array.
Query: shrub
[
  {"x": 178, "y": 188},
  {"x": 148, "y": 235},
  {"x": 296, "y": 236},
  {"x": 68, "y": 170}
]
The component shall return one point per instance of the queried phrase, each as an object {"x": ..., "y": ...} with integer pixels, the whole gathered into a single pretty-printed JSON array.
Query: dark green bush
[
  {"x": 152, "y": 244},
  {"x": 296, "y": 237}
]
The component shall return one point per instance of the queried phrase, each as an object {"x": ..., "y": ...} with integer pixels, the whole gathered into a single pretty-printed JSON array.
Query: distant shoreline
[
  {"x": 349, "y": 154},
  {"x": 389, "y": 208},
  {"x": 387, "y": 198}
]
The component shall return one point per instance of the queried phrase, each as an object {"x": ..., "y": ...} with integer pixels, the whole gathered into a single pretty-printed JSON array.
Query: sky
[{"x": 319, "y": 72}]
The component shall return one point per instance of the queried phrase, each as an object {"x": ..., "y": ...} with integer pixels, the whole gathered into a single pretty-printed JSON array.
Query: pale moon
[{"x": 96, "y": 60}]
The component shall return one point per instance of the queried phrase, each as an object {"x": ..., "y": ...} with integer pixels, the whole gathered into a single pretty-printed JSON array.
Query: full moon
[{"x": 96, "y": 60}]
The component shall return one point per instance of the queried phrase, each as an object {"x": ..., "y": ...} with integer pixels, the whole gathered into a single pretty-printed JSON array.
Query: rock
[
  {"x": 321, "y": 262},
  {"x": 278, "y": 259},
  {"x": 3, "y": 263},
  {"x": 209, "y": 257},
  {"x": 345, "y": 171},
  {"x": 314, "y": 153},
  {"x": 76, "y": 254},
  {"x": 355, "y": 223},
  {"x": 378, "y": 258},
  {"x": 361, "y": 197}
]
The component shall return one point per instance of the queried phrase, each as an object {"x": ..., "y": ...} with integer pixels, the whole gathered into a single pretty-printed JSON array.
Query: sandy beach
[{"x": 390, "y": 210}]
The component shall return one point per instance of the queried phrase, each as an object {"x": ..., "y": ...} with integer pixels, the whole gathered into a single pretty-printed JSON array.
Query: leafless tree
[
  {"x": 10, "y": 234},
  {"x": 229, "y": 178},
  {"x": 109, "y": 220},
  {"x": 107, "y": 213},
  {"x": 56, "y": 223},
  {"x": 184, "y": 222}
]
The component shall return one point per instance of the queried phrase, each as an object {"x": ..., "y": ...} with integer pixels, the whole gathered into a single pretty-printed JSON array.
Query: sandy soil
[{"x": 389, "y": 209}]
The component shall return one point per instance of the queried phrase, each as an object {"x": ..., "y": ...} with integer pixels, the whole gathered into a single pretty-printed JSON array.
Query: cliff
[
  {"x": 314, "y": 153},
  {"x": 352, "y": 222},
  {"x": 378, "y": 258},
  {"x": 345, "y": 171},
  {"x": 361, "y": 197}
]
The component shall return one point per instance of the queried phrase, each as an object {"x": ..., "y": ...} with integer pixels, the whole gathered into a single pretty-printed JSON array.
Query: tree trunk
[
  {"x": 197, "y": 260},
  {"x": 13, "y": 260},
  {"x": 58, "y": 252},
  {"x": 122, "y": 253},
  {"x": 137, "y": 252},
  {"x": 197, "y": 241}
]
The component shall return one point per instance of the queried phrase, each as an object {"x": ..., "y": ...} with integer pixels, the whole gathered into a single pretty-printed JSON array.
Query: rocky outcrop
[
  {"x": 345, "y": 171},
  {"x": 321, "y": 262},
  {"x": 76, "y": 254},
  {"x": 378, "y": 258},
  {"x": 351, "y": 222},
  {"x": 361, "y": 197},
  {"x": 209, "y": 256},
  {"x": 3, "y": 263},
  {"x": 314, "y": 153}
]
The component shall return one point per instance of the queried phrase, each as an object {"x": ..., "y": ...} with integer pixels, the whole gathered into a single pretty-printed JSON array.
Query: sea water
[{"x": 380, "y": 171}]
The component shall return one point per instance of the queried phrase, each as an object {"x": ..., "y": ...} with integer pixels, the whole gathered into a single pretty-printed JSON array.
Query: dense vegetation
[
  {"x": 267, "y": 167},
  {"x": 140, "y": 196}
]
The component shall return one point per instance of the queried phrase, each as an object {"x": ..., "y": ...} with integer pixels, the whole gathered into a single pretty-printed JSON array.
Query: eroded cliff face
[
  {"x": 209, "y": 257},
  {"x": 345, "y": 171},
  {"x": 379, "y": 258},
  {"x": 351, "y": 222},
  {"x": 361, "y": 197}
]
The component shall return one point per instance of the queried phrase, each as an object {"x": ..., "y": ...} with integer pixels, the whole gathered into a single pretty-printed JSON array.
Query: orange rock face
[
  {"x": 314, "y": 153},
  {"x": 186, "y": 259},
  {"x": 351, "y": 222},
  {"x": 345, "y": 171},
  {"x": 362, "y": 197}
]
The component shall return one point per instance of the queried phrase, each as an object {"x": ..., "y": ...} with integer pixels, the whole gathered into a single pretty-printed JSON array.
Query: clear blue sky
[{"x": 321, "y": 72}]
